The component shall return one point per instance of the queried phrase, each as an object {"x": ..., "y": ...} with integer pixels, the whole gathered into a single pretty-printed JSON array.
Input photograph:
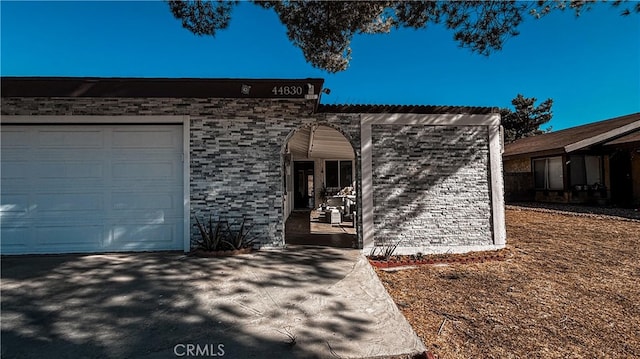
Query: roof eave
[
  {"x": 603, "y": 137},
  {"x": 118, "y": 87},
  {"x": 543, "y": 153}
]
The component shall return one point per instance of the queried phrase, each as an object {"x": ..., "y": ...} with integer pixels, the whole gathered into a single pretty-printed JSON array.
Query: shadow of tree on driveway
[{"x": 144, "y": 304}]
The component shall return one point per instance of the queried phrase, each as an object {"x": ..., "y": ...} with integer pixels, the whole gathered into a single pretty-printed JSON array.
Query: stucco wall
[
  {"x": 236, "y": 145},
  {"x": 431, "y": 185}
]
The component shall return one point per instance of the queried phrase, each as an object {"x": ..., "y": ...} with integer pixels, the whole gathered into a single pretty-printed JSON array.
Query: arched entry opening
[{"x": 319, "y": 178}]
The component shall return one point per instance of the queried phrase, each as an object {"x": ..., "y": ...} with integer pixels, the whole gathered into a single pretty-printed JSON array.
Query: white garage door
[{"x": 93, "y": 188}]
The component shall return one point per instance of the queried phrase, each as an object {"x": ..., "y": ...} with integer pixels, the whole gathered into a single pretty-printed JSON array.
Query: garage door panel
[
  {"x": 144, "y": 234},
  {"x": 78, "y": 236},
  {"x": 14, "y": 169},
  {"x": 14, "y": 139},
  {"x": 13, "y": 204},
  {"x": 69, "y": 185},
  {"x": 144, "y": 170},
  {"x": 46, "y": 155},
  {"x": 143, "y": 217},
  {"x": 15, "y": 239},
  {"x": 145, "y": 139},
  {"x": 71, "y": 170},
  {"x": 70, "y": 139},
  {"x": 53, "y": 202},
  {"x": 91, "y": 188},
  {"x": 143, "y": 201}
]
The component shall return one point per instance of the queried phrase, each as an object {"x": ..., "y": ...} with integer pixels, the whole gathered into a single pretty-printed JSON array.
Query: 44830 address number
[{"x": 287, "y": 90}]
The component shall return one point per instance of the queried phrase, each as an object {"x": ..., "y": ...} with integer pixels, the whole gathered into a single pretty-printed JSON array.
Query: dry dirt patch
[{"x": 569, "y": 288}]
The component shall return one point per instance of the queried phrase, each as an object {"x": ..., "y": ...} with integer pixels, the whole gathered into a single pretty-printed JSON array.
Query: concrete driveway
[{"x": 301, "y": 302}]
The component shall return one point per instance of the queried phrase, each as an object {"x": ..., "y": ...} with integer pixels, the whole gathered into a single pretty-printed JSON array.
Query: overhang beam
[{"x": 311, "y": 134}]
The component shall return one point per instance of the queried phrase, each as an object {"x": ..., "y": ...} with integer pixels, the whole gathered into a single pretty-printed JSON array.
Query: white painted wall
[{"x": 288, "y": 196}]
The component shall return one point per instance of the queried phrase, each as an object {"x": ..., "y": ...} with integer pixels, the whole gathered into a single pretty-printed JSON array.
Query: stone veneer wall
[
  {"x": 431, "y": 185},
  {"x": 519, "y": 165},
  {"x": 236, "y": 144}
]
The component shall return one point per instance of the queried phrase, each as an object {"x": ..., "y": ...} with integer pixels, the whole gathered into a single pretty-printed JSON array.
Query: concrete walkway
[{"x": 301, "y": 302}]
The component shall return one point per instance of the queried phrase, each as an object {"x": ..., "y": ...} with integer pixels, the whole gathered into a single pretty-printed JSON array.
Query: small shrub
[
  {"x": 220, "y": 236},
  {"x": 211, "y": 237},
  {"x": 386, "y": 250},
  {"x": 240, "y": 239}
]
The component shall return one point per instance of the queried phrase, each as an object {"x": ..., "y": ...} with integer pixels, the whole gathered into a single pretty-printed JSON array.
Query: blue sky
[{"x": 589, "y": 65}]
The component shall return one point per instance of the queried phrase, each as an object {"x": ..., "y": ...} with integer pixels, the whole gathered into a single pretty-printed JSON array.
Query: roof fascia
[
  {"x": 602, "y": 137},
  {"x": 431, "y": 119},
  {"x": 545, "y": 153}
]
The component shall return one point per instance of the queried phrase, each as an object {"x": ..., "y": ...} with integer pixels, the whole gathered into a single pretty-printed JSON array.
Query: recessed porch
[
  {"x": 311, "y": 228},
  {"x": 320, "y": 201}
]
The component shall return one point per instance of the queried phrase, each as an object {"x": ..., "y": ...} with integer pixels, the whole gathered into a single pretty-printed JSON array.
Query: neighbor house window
[
  {"x": 548, "y": 173},
  {"x": 338, "y": 174},
  {"x": 585, "y": 170}
]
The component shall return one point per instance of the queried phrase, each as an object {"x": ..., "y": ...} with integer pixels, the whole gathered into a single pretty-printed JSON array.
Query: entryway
[
  {"x": 310, "y": 228},
  {"x": 621, "y": 182},
  {"x": 320, "y": 188},
  {"x": 303, "y": 185}
]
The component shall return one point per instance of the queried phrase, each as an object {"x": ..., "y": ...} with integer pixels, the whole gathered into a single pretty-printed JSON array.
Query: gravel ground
[
  {"x": 579, "y": 210},
  {"x": 568, "y": 288}
]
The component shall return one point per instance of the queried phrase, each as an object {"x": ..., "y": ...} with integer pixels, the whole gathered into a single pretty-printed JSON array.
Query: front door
[
  {"x": 621, "y": 182},
  {"x": 303, "y": 184}
]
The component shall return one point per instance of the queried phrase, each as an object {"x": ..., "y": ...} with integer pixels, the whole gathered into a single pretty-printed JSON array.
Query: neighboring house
[
  {"x": 126, "y": 164},
  {"x": 597, "y": 163}
]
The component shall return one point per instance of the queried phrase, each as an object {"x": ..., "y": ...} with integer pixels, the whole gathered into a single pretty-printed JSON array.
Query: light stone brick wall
[
  {"x": 431, "y": 185},
  {"x": 235, "y": 145},
  {"x": 519, "y": 165}
]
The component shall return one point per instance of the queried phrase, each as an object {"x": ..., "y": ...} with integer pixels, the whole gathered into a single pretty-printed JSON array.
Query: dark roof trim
[
  {"x": 115, "y": 87},
  {"x": 160, "y": 87},
  {"x": 407, "y": 109}
]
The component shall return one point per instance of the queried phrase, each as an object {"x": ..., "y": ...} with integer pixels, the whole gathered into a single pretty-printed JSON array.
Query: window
[
  {"x": 346, "y": 179},
  {"x": 331, "y": 174},
  {"x": 585, "y": 170},
  {"x": 547, "y": 173},
  {"x": 338, "y": 174}
]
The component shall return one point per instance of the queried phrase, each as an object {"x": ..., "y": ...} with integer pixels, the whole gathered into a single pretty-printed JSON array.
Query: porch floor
[{"x": 306, "y": 227}]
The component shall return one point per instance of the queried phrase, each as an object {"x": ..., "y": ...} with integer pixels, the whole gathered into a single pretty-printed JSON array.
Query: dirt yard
[{"x": 569, "y": 288}]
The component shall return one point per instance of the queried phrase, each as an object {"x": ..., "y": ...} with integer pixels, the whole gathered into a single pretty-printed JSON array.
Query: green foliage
[
  {"x": 384, "y": 251},
  {"x": 220, "y": 236},
  {"x": 323, "y": 30},
  {"x": 240, "y": 238},
  {"x": 324, "y": 194},
  {"x": 527, "y": 118},
  {"x": 211, "y": 236},
  {"x": 203, "y": 17}
]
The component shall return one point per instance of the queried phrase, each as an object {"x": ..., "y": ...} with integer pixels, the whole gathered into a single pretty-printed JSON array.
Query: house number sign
[{"x": 291, "y": 90}]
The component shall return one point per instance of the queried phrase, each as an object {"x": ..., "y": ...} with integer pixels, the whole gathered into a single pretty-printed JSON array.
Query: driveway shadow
[{"x": 303, "y": 302}]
